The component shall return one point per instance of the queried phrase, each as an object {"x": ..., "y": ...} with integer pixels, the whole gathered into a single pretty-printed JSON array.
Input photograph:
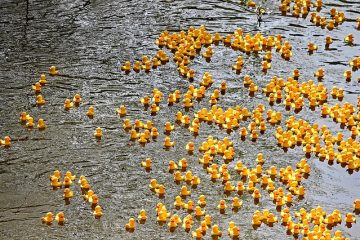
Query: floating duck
[
  {"x": 98, "y": 133},
  {"x": 131, "y": 224},
  {"x": 68, "y": 104},
  {"x": 153, "y": 184},
  {"x": 36, "y": 87},
  {"x": 320, "y": 73},
  {"x": 236, "y": 202},
  {"x": 348, "y": 75},
  {"x": 55, "y": 182},
  {"x": 147, "y": 163},
  {"x": 145, "y": 100},
  {"x": 215, "y": 231},
  {"x": 184, "y": 191},
  {"x": 6, "y": 142},
  {"x": 91, "y": 112},
  {"x": 183, "y": 164},
  {"x": 60, "y": 218},
  {"x": 142, "y": 215},
  {"x": 312, "y": 47},
  {"x": 222, "y": 205},
  {"x": 160, "y": 190},
  {"x": 357, "y": 205},
  {"x": 198, "y": 234},
  {"x": 349, "y": 218},
  {"x": 349, "y": 39},
  {"x": 127, "y": 124},
  {"x": 168, "y": 143},
  {"x": 40, "y": 100},
  {"x": 68, "y": 193},
  {"x": 178, "y": 202},
  {"x": 48, "y": 219},
  {"x": 154, "y": 108},
  {"x": 42, "y": 79},
  {"x": 126, "y": 67},
  {"x": 53, "y": 71}
]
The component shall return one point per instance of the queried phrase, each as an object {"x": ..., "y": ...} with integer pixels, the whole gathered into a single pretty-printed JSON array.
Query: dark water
[{"x": 88, "y": 41}]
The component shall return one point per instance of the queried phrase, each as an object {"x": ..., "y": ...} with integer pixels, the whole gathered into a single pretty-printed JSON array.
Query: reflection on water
[{"x": 88, "y": 41}]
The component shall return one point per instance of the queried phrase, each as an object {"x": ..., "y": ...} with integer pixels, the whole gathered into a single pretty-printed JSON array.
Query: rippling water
[{"x": 88, "y": 41}]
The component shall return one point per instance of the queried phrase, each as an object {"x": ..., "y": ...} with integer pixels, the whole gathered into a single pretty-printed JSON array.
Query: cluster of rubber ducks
[
  {"x": 88, "y": 194},
  {"x": 336, "y": 19},
  {"x": 301, "y": 221},
  {"x": 290, "y": 92}
]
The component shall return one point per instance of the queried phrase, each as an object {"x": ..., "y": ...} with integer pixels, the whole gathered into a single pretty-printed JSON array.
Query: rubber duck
[
  {"x": 199, "y": 212},
  {"x": 349, "y": 39},
  {"x": 188, "y": 103},
  {"x": 145, "y": 100},
  {"x": 6, "y": 142},
  {"x": 228, "y": 187},
  {"x": 121, "y": 110},
  {"x": 348, "y": 75},
  {"x": 98, "y": 133},
  {"x": 320, "y": 73},
  {"x": 234, "y": 232},
  {"x": 271, "y": 218},
  {"x": 126, "y": 67},
  {"x": 236, "y": 202},
  {"x": 256, "y": 219},
  {"x": 127, "y": 124},
  {"x": 91, "y": 112},
  {"x": 36, "y": 87},
  {"x": 48, "y": 218},
  {"x": 168, "y": 143},
  {"x": 131, "y": 224},
  {"x": 40, "y": 100},
  {"x": 67, "y": 181},
  {"x": 256, "y": 194},
  {"x": 184, "y": 191},
  {"x": 55, "y": 182},
  {"x": 68, "y": 193},
  {"x": 153, "y": 184},
  {"x": 189, "y": 206},
  {"x": 42, "y": 79},
  {"x": 222, "y": 205},
  {"x": 198, "y": 234},
  {"x": 154, "y": 108},
  {"x": 357, "y": 205},
  {"x": 215, "y": 231},
  {"x": 68, "y": 104},
  {"x": 168, "y": 127},
  {"x": 160, "y": 190},
  {"x": 265, "y": 65},
  {"x": 60, "y": 218},
  {"x": 349, "y": 218},
  {"x": 183, "y": 164},
  {"x": 147, "y": 163},
  {"x": 137, "y": 66},
  {"x": 178, "y": 176},
  {"x": 53, "y": 71},
  {"x": 312, "y": 47},
  {"x": 142, "y": 216}
]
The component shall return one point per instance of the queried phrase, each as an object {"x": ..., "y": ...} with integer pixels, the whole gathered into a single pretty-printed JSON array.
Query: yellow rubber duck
[
  {"x": 199, "y": 212},
  {"x": 184, "y": 191},
  {"x": 234, "y": 232},
  {"x": 312, "y": 47},
  {"x": 320, "y": 73},
  {"x": 183, "y": 164},
  {"x": 36, "y": 87},
  {"x": 198, "y": 234},
  {"x": 154, "y": 108},
  {"x": 178, "y": 202},
  {"x": 145, "y": 100},
  {"x": 98, "y": 133},
  {"x": 131, "y": 224},
  {"x": 348, "y": 75},
  {"x": 48, "y": 218},
  {"x": 222, "y": 205},
  {"x": 256, "y": 219},
  {"x": 215, "y": 231},
  {"x": 121, "y": 111},
  {"x": 357, "y": 205},
  {"x": 60, "y": 218},
  {"x": 53, "y": 71},
  {"x": 153, "y": 184},
  {"x": 68, "y": 193},
  {"x": 172, "y": 166},
  {"x": 55, "y": 182},
  {"x": 67, "y": 181},
  {"x": 142, "y": 216},
  {"x": 127, "y": 124},
  {"x": 126, "y": 67},
  {"x": 349, "y": 39},
  {"x": 168, "y": 127},
  {"x": 189, "y": 206},
  {"x": 349, "y": 218},
  {"x": 160, "y": 190},
  {"x": 40, "y": 100},
  {"x": 42, "y": 79},
  {"x": 68, "y": 104},
  {"x": 147, "y": 163},
  {"x": 91, "y": 112},
  {"x": 168, "y": 143},
  {"x": 236, "y": 202},
  {"x": 6, "y": 142}
]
